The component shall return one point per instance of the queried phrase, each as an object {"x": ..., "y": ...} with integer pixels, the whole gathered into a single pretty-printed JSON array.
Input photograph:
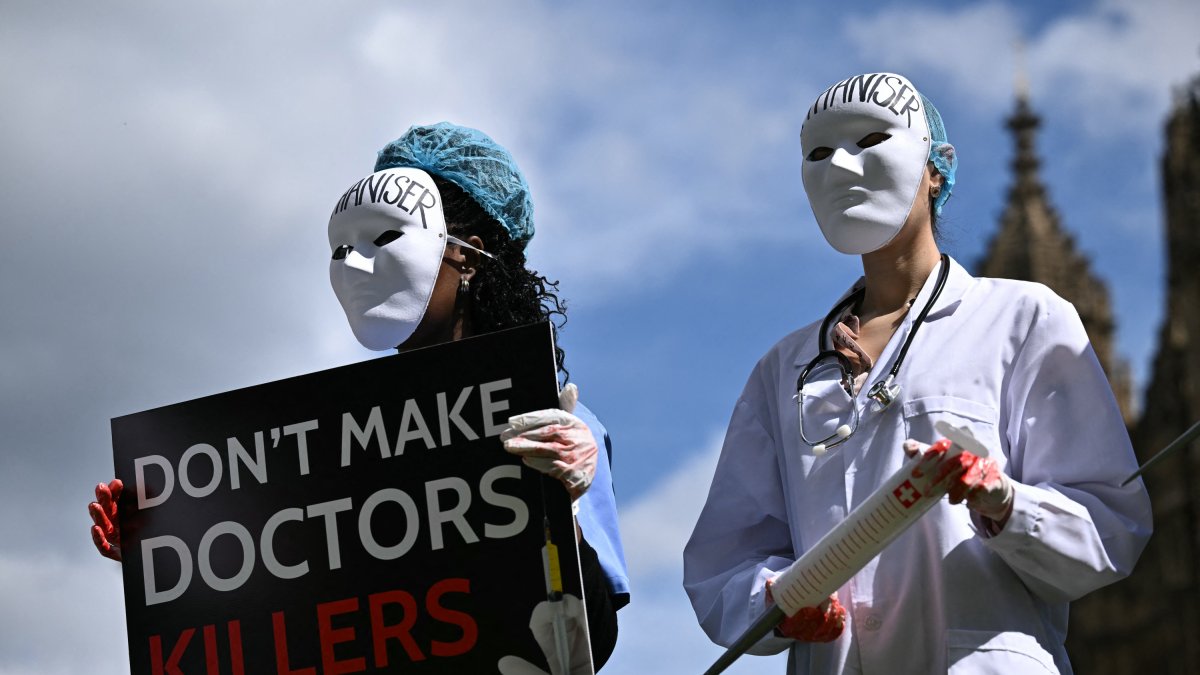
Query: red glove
[
  {"x": 106, "y": 533},
  {"x": 985, "y": 489},
  {"x": 978, "y": 481},
  {"x": 823, "y": 623}
]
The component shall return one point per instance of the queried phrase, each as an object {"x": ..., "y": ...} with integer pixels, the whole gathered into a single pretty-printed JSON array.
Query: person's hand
[
  {"x": 823, "y": 623},
  {"x": 555, "y": 442},
  {"x": 569, "y": 613},
  {"x": 106, "y": 530},
  {"x": 977, "y": 481}
]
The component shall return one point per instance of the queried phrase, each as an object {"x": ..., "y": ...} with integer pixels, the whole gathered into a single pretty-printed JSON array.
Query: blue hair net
[
  {"x": 471, "y": 160},
  {"x": 941, "y": 153}
]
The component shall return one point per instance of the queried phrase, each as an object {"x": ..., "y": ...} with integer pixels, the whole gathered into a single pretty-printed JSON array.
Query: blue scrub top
[{"x": 598, "y": 512}]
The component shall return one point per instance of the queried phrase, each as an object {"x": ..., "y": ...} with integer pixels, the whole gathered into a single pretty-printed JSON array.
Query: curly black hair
[{"x": 505, "y": 293}]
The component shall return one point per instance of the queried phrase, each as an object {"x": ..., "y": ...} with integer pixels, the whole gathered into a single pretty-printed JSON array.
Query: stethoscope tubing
[{"x": 825, "y": 352}]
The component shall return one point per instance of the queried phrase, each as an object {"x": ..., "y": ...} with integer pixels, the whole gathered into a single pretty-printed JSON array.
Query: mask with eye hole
[
  {"x": 387, "y": 235},
  {"x": 865, "y": 143}
]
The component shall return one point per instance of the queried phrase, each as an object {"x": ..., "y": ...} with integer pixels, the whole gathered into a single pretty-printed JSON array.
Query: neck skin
[
  {"x": 895, "y": 273},
  {"x": 462, "y": 321}
]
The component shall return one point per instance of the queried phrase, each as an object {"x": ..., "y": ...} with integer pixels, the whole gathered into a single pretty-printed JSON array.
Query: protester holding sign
[
  {"x": 429, "y": 249},
  {"x": 824, "y": 418},
  {"x": 481, "y": 287}
]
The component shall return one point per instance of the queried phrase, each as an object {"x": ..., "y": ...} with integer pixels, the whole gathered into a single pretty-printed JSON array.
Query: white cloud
[
  {"x": 970, "y": 46},
  {"x": 658, "y": 630},
  {"x": 1116, "y": 65},
  {"x": 631, "y": 201},
  {"x": 624, "y": 194},
  {"x": 655, "y": 527},
  {"x": 1111, "y": 66},
  {"x": 659, "y": 634},
  {"x": 458, "y": 56}
]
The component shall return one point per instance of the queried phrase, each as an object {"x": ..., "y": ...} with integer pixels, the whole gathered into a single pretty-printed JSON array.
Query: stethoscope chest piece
[{"x": 884, "y": 393}]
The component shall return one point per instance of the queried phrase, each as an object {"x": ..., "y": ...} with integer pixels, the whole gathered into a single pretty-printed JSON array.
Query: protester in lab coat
[{"x": 982, "y": 582}]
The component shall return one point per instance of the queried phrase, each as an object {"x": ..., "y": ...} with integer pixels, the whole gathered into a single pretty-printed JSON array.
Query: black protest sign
[{"x": 363, "y": 519}]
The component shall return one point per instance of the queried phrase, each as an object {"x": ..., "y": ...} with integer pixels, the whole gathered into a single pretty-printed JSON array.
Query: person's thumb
[
  {"x": 913, "y": 448},
  {"x": 568, "y": 397}
]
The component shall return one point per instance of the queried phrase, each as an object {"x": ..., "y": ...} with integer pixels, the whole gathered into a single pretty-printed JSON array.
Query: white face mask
[
  {"x": 861, "y": 196},
  {"x": 388, "y": 236}
]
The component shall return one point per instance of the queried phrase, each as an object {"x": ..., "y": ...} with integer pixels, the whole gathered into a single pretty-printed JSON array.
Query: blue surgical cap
[
  {"x": 471, "y": 160},
  {"x": 941, "y": 153}
]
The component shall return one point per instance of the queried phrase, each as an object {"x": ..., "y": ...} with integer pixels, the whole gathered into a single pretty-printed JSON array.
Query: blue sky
[{"x": 168, "y": 170}]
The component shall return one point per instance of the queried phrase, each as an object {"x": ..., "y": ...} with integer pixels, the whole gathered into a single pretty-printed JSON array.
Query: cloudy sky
[{"x": 166, "y": 171}]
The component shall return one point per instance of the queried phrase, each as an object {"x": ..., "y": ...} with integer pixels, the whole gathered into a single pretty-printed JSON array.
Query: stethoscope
[{"x": 883, "y": 393}]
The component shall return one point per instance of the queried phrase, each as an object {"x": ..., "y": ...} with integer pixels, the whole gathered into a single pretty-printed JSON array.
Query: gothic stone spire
[{"x": 1032, "y": 245}]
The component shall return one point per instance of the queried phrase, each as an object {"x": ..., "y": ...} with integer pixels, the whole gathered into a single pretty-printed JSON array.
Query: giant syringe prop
[{"x": 852, "y": 543}]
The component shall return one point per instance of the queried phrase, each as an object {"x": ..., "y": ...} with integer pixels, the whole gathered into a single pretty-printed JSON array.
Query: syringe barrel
[{"x": 852, "y": 543}]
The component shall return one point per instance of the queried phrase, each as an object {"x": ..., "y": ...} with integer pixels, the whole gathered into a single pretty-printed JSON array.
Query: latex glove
[
  {"x": 106, "y": 530},
  {"x": 823, "y": 623},
  {"x": 555, "y": 442},
  {"x": 542, "y": 625},
  {"x": 977, "y": 481}
]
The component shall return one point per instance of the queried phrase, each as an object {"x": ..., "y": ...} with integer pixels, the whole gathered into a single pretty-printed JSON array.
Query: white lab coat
[{"x": 1011, "y": 361}]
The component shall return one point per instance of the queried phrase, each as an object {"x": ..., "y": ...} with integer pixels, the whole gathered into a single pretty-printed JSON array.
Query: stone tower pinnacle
[
  {"x": 1031, "y": 245},
  {"x": 1149, "y": 622}
]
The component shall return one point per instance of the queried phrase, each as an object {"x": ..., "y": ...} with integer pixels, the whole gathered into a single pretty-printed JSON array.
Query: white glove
[
  {"x": 555, "y": 442},
  {"x": 542, "y": 625}
]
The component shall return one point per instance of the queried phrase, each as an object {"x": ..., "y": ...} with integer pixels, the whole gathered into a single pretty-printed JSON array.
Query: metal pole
[
  {"x": 753, "y": 634},
  {"x": 1185, "y": 438}
]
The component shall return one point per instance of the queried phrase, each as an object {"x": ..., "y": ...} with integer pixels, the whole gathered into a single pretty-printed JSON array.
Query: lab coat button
[{"x": 872, "y": 623}]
